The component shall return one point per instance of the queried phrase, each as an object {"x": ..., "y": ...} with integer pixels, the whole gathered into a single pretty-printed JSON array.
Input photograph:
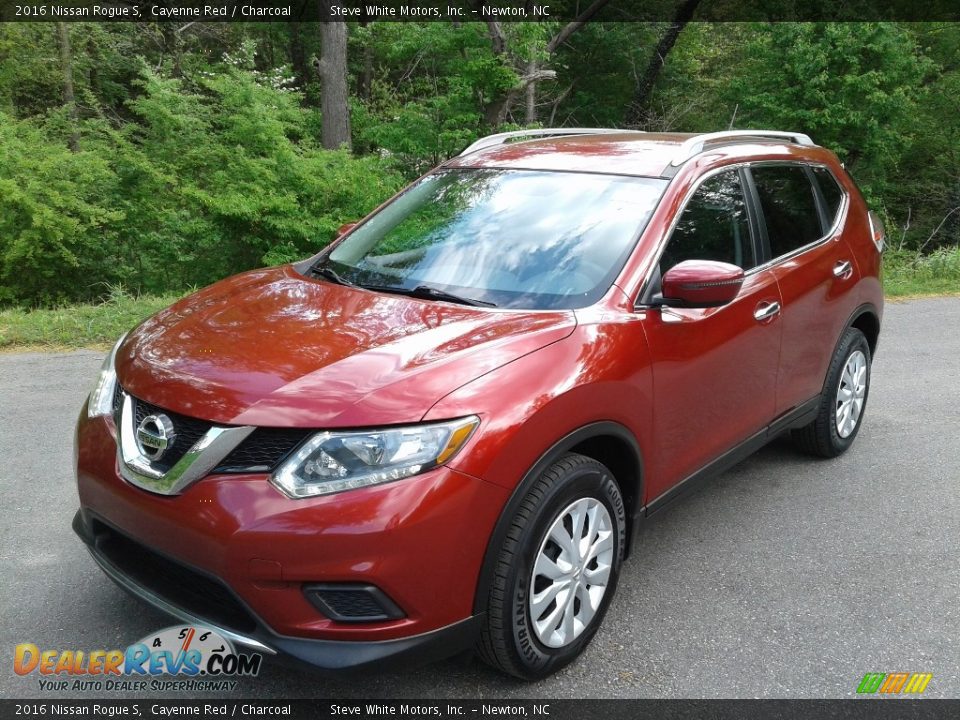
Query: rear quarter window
[
  {"x": 831, "y": 191},
  {"x": 789, "y": 207}
]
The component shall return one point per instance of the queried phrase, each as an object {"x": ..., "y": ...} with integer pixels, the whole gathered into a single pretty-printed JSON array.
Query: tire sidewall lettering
[{"x": 588, "y": 482}]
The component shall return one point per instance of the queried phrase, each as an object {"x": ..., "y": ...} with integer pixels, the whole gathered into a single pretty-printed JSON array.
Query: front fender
[
  {"x": 595, "y": 383},
  {"x": 600, "y": 373}
]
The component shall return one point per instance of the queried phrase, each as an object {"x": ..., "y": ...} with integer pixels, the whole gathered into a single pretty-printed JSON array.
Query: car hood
[{"x": 274, "y": 348}]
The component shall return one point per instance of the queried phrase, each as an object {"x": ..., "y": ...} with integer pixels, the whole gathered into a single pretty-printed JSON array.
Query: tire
[
  {"x": 832, "y": 432},
  {"x": 512, "y": 639}
]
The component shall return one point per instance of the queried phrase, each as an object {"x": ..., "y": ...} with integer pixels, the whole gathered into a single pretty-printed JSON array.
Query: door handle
[
  {"x": 843, "y": 269},
  {"x": 766, "y": 310}
]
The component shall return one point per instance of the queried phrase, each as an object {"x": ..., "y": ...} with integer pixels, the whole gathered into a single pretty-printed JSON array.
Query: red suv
[{"x": 444, "y": 430}]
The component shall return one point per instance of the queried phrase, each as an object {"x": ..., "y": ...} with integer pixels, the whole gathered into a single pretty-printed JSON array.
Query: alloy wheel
[
  {"x": 851, "y": 393},
  {"x": 571, "y": 572}
]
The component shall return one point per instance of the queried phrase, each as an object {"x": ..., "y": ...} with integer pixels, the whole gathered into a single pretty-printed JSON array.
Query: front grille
[
  {"x": 262, "y": 451},
  {"x": 188, "y": 431},
  {"x": 188, "y": 589},
  {"x": 117, "y": 399}
]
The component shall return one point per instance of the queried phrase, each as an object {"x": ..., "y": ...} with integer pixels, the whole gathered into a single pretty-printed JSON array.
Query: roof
[{"x": 626, "y": 153}]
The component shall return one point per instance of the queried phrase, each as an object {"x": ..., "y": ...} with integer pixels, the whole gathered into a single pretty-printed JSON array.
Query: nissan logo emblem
[{"x": 155, "y": 434}]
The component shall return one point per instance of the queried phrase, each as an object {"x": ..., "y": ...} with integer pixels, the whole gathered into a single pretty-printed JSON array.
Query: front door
[{"x": 714, "y": 369}]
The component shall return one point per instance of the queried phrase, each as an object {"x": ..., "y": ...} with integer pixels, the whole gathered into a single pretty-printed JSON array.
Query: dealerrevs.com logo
[{"x": 198, "y": 653}]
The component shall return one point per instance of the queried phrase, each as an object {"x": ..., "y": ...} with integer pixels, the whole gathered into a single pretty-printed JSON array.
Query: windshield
[{"x": 509, "y": 238}]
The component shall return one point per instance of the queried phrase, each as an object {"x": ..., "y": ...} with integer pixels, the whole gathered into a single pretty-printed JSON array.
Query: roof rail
[
  {"x": 694, "y": 146},
  {"x": 505, "y": 137}
]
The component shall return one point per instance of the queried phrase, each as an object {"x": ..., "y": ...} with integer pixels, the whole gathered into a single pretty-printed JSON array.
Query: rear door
[
  {"x": 714, "y": 369},
  {"x": 802, "y": 211}
]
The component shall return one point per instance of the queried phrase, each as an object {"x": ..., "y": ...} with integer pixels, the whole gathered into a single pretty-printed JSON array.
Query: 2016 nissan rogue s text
[{"x": 443, "y": 431}]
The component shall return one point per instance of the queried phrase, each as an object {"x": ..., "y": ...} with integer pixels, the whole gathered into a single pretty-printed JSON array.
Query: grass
[
  {"x": 909, "y": 274},
  {"x": 906, "y": 274},
  {"x": 76, "y": 326}
]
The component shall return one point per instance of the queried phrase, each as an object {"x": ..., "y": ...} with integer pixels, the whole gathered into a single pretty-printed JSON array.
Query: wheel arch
[
  {"x": 866, "y": 319},
  {"x": 608, "y": 442}
]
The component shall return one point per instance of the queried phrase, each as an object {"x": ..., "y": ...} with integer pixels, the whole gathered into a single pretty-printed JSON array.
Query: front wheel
[
  {"x": 843, "y": 401},
  {"x": 556, "y": 571}
]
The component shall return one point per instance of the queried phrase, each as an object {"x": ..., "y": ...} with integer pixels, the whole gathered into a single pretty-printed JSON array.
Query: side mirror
[
  {"x": 344, "y": 229},
  {"x": 701, "y": 284}
]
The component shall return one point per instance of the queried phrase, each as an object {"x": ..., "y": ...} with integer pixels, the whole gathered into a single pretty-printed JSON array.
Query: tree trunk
[
  {"x": 93, "y": 76},
  {"x": 495, "y": 113},
  {"x": 173, "y": 44},
  {"x": 298, "y": 57},
  {"x": 366, "y": 79},
  {"x": 69, "y": 99},
  {"x": 332, "y": 69},
  {"x": 530, "y": 116},
  {"x": 638, "y": 113}
]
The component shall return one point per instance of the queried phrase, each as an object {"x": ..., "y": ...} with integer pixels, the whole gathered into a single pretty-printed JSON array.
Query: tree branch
[
  {"x": 571, "y": 27},
  {"x": 937, "y": 228},
  {"x": 536, "y": 76}
]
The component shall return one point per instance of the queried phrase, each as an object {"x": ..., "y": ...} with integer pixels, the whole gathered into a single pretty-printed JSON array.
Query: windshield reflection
[{"x": 515, "y": 238}]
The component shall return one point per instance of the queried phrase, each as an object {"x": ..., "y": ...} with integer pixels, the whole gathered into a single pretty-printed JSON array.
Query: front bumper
[
  {"x": 327, "y": 654},
  {"x": 421, "y": 541}
]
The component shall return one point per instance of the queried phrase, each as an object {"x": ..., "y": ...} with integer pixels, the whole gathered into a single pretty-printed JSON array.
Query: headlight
[
  {"x": 100, "y": 402},
  {"x": 331, "y": 462}
]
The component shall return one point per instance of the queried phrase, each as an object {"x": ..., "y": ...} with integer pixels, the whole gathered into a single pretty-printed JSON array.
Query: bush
[
  {"x": 228, "y": 178},
  {"x": 210, "y": 180},
  {"x": 58, "y": 226}
]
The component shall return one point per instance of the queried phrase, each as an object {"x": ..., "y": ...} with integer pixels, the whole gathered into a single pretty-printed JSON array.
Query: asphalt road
[{"x": 785, "y": 577}]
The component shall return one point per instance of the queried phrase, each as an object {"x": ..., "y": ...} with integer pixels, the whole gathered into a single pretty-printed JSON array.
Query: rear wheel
[
  {"x": 556, "y": 570},
  {"x": 843, "y": 402}
]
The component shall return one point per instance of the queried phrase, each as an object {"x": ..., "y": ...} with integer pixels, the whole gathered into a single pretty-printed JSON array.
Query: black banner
[
  {"x": 874, "y": 709},
  {"x": 186, "y": 11}
]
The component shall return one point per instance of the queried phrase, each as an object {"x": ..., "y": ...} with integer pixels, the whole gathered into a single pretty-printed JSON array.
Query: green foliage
[
  {"x": 226, "y": 178},
  {"x": 208, "y": 180},
  {"x": 880, "y": 95},
  {"x": 58, "y": 234},
  {"x": 199, "y": 148},
  {"x": 81, "y": 325},
  {"x": 30, "y": 81},
  {"x": 426, "y": 97},
  {"x": 596, "y": 70},
  {"x": 852, "y": 86},
  {"x": 907, "y": 272},
  {"x": 927, "y": 206}
]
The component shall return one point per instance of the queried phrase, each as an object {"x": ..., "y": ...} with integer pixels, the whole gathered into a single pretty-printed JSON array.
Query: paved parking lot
[{"x": 786, "y": 577}]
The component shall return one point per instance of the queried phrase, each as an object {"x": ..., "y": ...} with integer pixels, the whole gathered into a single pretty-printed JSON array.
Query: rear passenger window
[
  {"x": 713, "y": 226},
  {"x": 831, "y": 191},
  {"x": 789, "y": 207}
]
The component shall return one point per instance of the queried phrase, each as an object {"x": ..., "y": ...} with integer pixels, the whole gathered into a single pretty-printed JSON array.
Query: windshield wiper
[
  {"x": 421, "y": 291},
  {"x": 430, "y": 293},
  {"x": 328, "y": 273}
]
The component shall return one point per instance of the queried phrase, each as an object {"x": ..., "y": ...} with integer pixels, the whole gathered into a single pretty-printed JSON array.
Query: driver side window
[{"x": 714, "y": 226}]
